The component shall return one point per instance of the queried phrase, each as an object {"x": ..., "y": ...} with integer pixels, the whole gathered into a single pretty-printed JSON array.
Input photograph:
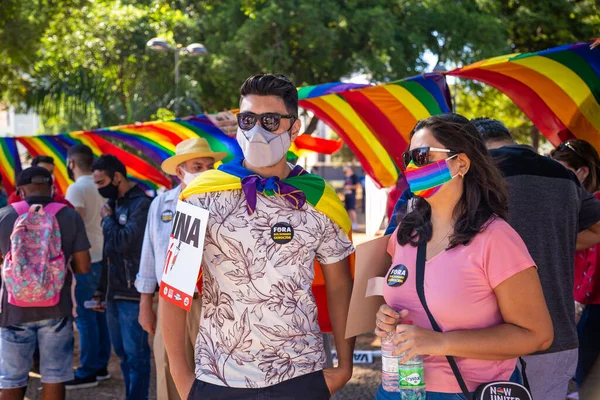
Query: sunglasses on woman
[
  {"x": 568, "y": 145},
  {"x": 269, "y": 121},
  {"x": 420, "y": 155}
]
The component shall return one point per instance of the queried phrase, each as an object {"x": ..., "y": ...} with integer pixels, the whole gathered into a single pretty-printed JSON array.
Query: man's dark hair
[
  {"x": 110, "y": 165},
  {"x": 82, "y": 155},
  {"x": 492, "y": 130},
  {"x": 42, "y": 159},
  {"x": 273, "y": 85}
]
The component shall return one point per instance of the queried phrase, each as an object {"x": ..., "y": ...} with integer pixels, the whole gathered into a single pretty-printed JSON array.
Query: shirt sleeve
[
  {"x": 74, "y": 196},
  {"x": 504, "y": 254},
  {"x": 81, "y": 240},
  {"x": 336, "y": 246},
  {"x": 589, "y": 210},
  {"x": 146, "y": 281},
  {"x": 392, "y": 243}
]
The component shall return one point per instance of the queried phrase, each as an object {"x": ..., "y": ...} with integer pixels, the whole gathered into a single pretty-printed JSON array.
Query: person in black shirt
[
  {"x": 350, "y": 186},
  {"x": 123, "y": 224},
  {"x": 554, "y": 215}
]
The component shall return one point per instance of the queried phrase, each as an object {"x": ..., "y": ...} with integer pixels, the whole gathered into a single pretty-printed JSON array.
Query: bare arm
[
  {"x": 81, "y": 262},
  {"x": 338, "y": 283},
  {"x": 588, "y": 238},
  {"x": 173, "y": 330},
  {"x": 527, "y": 327}
]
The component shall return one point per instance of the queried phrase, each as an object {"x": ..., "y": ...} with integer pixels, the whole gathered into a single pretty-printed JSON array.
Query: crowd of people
[{"x": 504, "y": 240}]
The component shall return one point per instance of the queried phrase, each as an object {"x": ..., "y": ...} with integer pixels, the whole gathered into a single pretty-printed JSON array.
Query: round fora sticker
[
  {"x": 397, "y": 276},
  {"x": 166, "y": 216},
  {"x": 282, "y": 233}
]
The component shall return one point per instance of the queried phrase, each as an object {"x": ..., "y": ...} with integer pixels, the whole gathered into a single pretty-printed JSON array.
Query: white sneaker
[{"x": 574, "y": 395}]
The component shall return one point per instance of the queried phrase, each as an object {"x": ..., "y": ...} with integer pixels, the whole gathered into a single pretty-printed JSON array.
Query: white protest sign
[{"x": 184, "y": 255}]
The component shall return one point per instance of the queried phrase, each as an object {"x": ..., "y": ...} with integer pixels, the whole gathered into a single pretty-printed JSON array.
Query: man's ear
[
  {"x": 296, "y": 129},
  {"x": 179, "y": 172}
]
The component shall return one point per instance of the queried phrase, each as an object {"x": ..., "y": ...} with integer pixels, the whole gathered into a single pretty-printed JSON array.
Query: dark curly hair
[{"x": 484, "y": 195}]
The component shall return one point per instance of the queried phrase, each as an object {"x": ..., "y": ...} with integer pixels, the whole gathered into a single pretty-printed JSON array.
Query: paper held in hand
[{"x": 184, "y": 255}]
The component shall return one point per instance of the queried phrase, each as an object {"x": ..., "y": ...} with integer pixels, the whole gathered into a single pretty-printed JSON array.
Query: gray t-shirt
[
  {"x": 74, "y": 240},
  {"x": 548, "y": 208}
]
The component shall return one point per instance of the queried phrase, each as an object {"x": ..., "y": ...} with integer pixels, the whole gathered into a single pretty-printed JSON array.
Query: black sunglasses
[
  {"x": 420, "y": 155},
  {"x": 269, "y": 121},
  {"x": 568, "y": 145}
]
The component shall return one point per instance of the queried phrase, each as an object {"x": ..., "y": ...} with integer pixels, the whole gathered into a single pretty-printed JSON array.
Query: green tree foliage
[
  {"x": 84, "y": 63},
  {"x": 477, "y": 100}
]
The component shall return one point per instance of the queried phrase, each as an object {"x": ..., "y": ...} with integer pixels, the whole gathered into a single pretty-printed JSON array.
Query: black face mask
[
  {"x": 109, "y": 191},
  {"x": 71, "y": 174}
]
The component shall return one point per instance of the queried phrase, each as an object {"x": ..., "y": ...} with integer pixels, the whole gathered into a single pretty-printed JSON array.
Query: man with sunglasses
[{"x": 260, "y": 334}]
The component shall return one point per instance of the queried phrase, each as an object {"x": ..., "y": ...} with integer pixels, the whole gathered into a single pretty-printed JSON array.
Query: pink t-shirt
[{"x": 459, "y": 288}]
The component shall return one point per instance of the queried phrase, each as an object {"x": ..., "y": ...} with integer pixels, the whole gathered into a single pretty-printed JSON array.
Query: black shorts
[
  {"x": 306, "y": 387},
  {"x": 350, "y": 202}
]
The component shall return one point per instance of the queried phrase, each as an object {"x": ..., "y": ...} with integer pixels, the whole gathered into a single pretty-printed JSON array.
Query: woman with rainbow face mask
[{"x": 480, "y": 283}]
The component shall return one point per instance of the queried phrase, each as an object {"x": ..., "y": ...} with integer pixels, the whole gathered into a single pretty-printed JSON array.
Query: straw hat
[{"x": 188, "y": 150}]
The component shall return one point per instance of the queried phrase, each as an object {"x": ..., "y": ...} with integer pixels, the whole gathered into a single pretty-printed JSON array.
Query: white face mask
[
  {"x": 263, "y": 148},
  {"x": 189, "y": 177}
]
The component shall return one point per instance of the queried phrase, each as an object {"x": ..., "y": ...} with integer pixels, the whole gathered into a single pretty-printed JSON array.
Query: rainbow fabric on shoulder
[{"x": 298, "y": 188}]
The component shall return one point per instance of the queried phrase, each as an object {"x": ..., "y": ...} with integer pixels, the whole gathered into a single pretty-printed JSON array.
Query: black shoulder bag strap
[{"x": 421, "y": 254}]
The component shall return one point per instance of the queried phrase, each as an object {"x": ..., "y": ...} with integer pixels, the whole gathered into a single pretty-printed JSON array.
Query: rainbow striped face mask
[{"x": 427, "y": 180}]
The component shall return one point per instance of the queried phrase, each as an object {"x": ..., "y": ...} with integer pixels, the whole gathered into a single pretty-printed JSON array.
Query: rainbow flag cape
[{"x": 318, "y": 194}]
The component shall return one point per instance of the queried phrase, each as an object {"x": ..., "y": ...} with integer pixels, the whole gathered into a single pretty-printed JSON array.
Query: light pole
[{"x": 194, "y": 49}]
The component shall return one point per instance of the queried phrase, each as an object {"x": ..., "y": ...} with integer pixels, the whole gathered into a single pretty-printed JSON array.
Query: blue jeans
[
  {"x": 383, "y": 395},
  {"x": 54, "y": 338},
  {"x": 588, "y": 330},
  {"x": 94, "y": 340},
  {"x": 130, "y": 343}
]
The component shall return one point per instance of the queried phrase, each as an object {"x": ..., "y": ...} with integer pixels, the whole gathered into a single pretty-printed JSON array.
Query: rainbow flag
[
  {"x": 56, "y": 146},
  {"x": 10, "y": 163},
  {"x": 558, "y": 88},
  {"x": 157, "y": 141},
  {"x": 312, "y": 144},
  {"x": 375, "y": 121}
]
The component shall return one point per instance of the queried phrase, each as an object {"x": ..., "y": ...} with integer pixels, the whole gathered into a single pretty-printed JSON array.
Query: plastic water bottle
[
  {"x": 389, "y": 365},
  {"x": 411, "y": 378}
]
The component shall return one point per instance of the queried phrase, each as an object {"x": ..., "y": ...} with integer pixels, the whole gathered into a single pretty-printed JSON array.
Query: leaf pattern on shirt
[
  {"x": 276, "y": 363},
  {"x": 260, "y": 324},
  {"x": 249, "y": 268},
  {"x": 286, "y": 336},
  {"x": 208, "y": 355},
  {"x": 237, "y": 343},
  {"x": 217, "y": 305},
  {"x": 284, "y": 297},
  {"x": 261, "y": 231}
]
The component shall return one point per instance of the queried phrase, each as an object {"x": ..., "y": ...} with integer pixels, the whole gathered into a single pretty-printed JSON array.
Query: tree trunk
[{"x": 535, "y": 137}]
